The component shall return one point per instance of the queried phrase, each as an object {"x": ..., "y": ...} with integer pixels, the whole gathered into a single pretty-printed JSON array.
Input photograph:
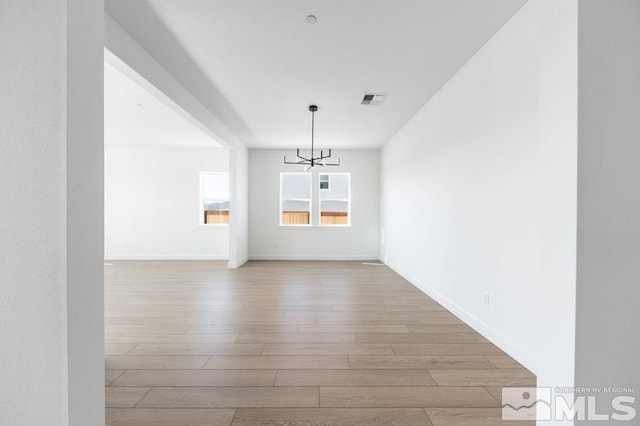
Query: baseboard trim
[
  {"x": 313, "y": 257},
  {"x": 236, "y": 265},
  {"x": 512, "y": 349},
  {"x": 165, "y": 257}
]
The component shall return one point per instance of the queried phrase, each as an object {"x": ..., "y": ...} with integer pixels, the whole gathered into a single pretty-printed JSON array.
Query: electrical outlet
[{"x": 486, "y": 299}]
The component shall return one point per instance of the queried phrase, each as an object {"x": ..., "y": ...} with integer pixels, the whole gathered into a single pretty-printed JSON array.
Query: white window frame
[
  {"x": 201, "y": 201},
  {"x": 348, "y": 200},
  {"x": 280, "y": 210}
]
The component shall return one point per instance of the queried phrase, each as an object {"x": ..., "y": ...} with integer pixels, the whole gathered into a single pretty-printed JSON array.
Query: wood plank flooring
[{"x": 192, "y": 343}]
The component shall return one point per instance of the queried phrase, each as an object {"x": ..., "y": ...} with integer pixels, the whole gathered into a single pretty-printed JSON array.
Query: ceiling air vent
[{"x": 372, "y": 99}]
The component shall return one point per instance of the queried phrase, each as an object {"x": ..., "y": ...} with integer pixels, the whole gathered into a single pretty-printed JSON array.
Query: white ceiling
[
  {"x": 135, "y": 117},
  {"x": 257, "y": 64}
]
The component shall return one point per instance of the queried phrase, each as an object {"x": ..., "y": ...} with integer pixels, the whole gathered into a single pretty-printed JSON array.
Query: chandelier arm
[
  {"x": 296, "y": 162},
  {"x": 300, "y": 156},
  {"x": 333, "y": 164},
  {"x": 303, "y": 158},
  {"x": 322, "y": 156},
  {"x": 301, "y": 161}
]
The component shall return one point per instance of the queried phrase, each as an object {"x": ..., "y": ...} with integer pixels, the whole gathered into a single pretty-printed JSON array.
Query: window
[
  {"x": 324, "y": 182},
  {"x": 335, "y": 199},
  {"x": 295, "y": 199},
  {"x": 214, "y": 198}
]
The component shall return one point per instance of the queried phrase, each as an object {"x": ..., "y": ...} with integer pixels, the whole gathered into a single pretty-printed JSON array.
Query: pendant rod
[{"x": 313, "y": 109}]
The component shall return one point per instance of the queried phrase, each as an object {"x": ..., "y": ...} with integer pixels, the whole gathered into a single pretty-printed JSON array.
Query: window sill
[{"x": 315, "y": 227}]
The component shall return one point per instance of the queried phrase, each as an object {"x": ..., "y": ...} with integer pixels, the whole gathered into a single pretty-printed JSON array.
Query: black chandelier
[{"x": 312, "y": 161}]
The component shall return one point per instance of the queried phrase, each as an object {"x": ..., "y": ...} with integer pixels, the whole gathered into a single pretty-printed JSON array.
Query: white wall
[
  {"x": 268, "y": 240},
  {"x": 239, "y": 209},
  {"x": 51, "y": 271},
  {"x": 608, "y": 290},
  {"x": 152, "y": 199},
  {"x": 557, "y": 154},
  {"x": 465, "y": 187}
]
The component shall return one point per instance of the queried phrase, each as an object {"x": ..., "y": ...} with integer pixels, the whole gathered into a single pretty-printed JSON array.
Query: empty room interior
[{"x": 319, "y": 212}]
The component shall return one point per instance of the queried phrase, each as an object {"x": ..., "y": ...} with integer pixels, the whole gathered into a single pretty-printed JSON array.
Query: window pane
[
  {"x": 335, "y": 200},
  {"x": 295, "y": 198},
  {"x": 215, "y": 186},
  {"x": 324, "y": 182},
  {"x": 214, "y": 195}
]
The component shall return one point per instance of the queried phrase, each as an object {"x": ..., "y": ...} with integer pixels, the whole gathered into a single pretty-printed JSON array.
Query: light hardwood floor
[{"x": 192, "y": 343}]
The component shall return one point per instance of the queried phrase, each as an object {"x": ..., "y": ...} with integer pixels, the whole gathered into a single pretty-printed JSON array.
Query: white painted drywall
[
  {"x": 608, "y": 272},
  {"x": 51, "y": 271},
  {"x": 85, "y": 210},
  {"x": 239, "y": 209},
  {"x": 152, "y": 201},
  {"x": 269, "y": 240},
  {"x": 557, "y": 175},
  {"x": 462, "y": 208}
]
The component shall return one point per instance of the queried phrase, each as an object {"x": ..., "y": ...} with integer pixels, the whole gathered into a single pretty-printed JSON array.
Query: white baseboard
[
  {"x": 236, "y": 265},
  {"x": 512, "y": 349},
  {"x": 165, "y": 257},
  {"x": 373, "y": 257}
]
